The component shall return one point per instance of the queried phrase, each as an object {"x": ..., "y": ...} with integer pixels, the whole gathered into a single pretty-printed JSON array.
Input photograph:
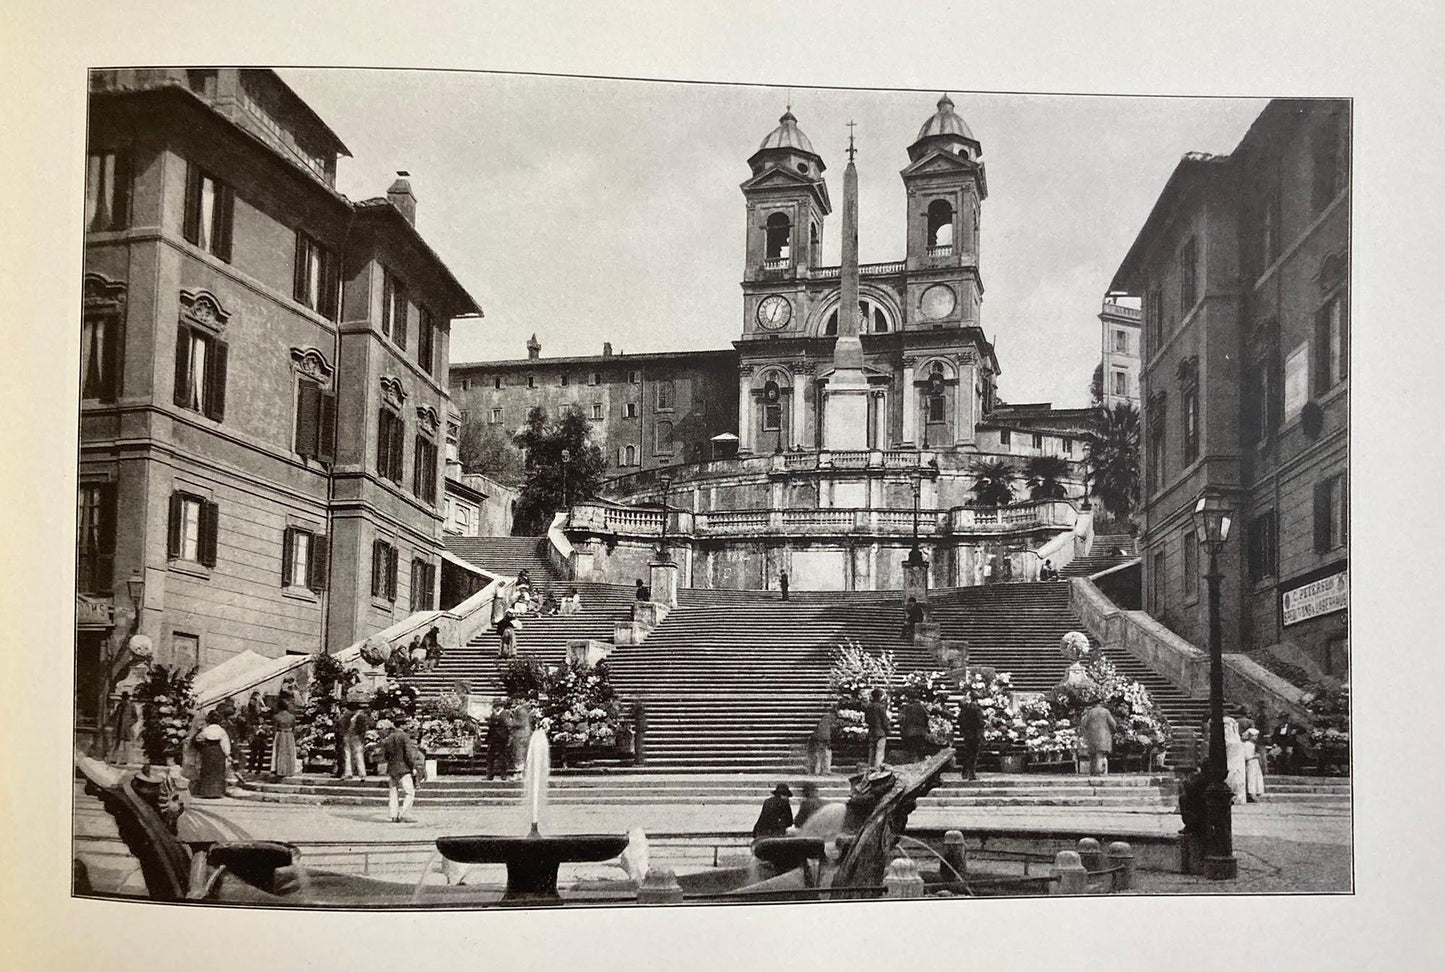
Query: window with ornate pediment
[
  {"x": 101, "y": 339},
  {"x": 315, "y": 424},
  {"x": 201, "y": 355},
  {"x": 107, "y": 191}
]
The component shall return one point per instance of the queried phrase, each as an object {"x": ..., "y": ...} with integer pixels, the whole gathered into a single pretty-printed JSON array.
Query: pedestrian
[
  {"x": 783, "y": 583},
  {"x": 639, "y": 733},
  {"x": 1047, "y": 572},
  {"x": 256, "y": 717},
  {"x": 283, "y": 741},
  {"x": 1096, "y": 737},
  {"x": 913, "y": 727},
  {"x": 820, "y": 745},
  {"x": 1283, "y": 749},
  {"x": 355, "y": 741},
  {"x": 1243, "y": 720},
  {"x": 433, "y": 645},
  {"x": 970, "y": 733},
  {"x": 507, "y": 636},
  {"x": 1234, "y": 759},
  {"x": 213, "y": 748},
  {"x": 403, "y": 770},
  {"x": 339, "y": 729},
  {"x": 777, "y": 814},
  {"x": 876, "y": 716},
  {"x": 912, "y": 615},
  {"x": 126, "y": 720},
  {"x": 642, "y": 594},
  {"x": 519, "y": 734},
  {"x": 809, "y": 804},
  {"x": 1192, "y": 806},
  {"x": 1253, "y": 774},
  {"x": 497, "y": 736}
]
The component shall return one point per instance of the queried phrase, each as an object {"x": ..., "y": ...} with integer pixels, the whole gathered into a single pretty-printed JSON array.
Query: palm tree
[
  {"x": 1113, "y": 457},
  {"x": 1046, "y": 475},
  {"x": 993, "y": 483}
]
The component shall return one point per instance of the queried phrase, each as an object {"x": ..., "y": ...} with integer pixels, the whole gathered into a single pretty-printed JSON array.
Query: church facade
[{"x": 866, "y": 402}]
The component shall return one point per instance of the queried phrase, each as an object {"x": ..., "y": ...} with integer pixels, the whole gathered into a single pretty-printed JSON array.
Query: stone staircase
[
  {"x": 734, "y": 680},
  {"x": 1103, "y": 555},
  {"x": 507, "y": 555}
]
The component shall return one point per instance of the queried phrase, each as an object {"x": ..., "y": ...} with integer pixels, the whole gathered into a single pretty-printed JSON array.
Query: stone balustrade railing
[
  {"x": 824, "y": 521},
  {"x": 851, "y": 459}
]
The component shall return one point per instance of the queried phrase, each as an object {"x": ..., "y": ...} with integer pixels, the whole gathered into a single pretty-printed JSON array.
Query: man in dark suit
[
  {"x": 777, "y": 814},
  {"x": 970, "y": 733},
  {"x": 876, "y": 717},
  {"x": 498, "y": 741},
  {"x": 913, "y": 727}
]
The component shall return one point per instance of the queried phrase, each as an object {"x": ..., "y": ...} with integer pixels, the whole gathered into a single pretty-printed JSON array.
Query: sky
[{"x": 587, "y": 210}]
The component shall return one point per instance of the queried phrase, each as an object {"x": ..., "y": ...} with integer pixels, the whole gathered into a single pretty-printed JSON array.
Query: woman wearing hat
[
  {"x": 777, "y": 815},
  {"x": 1253, "y": 771},
  {"x": 213, "y": 744}
]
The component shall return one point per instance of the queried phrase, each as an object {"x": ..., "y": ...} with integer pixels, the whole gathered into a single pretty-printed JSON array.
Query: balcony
[
  {"x": 644, "y": 481},
  {"x": 941, "y": 250}
]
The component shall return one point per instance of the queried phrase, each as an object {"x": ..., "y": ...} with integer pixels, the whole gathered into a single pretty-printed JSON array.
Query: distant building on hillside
[
  {"x": 1243, "y": 269},
  {"x": 1122, "y": 329}
]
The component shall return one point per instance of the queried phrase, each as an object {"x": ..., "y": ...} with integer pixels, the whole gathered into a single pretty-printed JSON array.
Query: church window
[
  {"x": 779, "y": 238},
  {"x": 772, "y": 407},
  {"x": 936, "y": 402},
  {"x": 940, "y": 228},
  {"x": 814, "y": 245}
]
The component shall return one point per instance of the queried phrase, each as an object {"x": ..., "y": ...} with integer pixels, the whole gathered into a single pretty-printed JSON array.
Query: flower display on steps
[
  {"x": 167, "y": 708},
  {"x": 1329, "y": 712},
  {"x": 574, "y": 704}
]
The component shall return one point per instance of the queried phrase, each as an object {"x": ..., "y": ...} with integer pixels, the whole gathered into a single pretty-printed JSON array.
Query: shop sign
[
  {"x": 1315, "y": 598},
  {"x": 93, "y": 612}
]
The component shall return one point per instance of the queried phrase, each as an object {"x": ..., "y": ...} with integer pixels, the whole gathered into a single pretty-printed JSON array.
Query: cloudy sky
[{"x": 587, "y": 210}]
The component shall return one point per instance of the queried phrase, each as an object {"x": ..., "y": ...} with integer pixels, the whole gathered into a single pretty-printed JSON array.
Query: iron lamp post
[
  {"x": 566, "y": 460},
  {"x": 915, "y": 556},
  {"x": 1213, "y": 517},
  {"x": 666, "y": 488}
]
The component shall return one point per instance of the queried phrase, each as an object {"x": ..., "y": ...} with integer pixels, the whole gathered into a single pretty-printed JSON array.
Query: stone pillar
[
  {"x": 664, "y": 583},
  {"x": 1122, "y": 855},
  {"x": 659, "y": 886},
  {"x": 745, "y": 413},
  {"x": 910, "y": 410},
  {"x": 1090, "y": 854},
  {"x": 963, "y": 413},
  {"x": 955, "y": 855},
  {"x": 902, "y": 879},
  {"x": 1071, "y": 875},
  {"x": 915, "y": 580},
  {"x": 795, "y": 431}
]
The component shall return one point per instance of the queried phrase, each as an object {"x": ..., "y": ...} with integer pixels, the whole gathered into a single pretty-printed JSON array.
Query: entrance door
[{"x": 89, "y": 654}]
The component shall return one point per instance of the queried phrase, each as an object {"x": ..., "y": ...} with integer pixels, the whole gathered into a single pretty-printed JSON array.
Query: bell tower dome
[{"x": 787, "y": 200}]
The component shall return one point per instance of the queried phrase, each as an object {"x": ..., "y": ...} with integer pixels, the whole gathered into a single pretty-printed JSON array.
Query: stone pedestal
[
  {"x": 915, "y": 579},
  {"x": 902, "y": 879},
  {"x": 659, "y": 887},
  {"x": 1071, "y": 875},
  {"x": 650, "y": 613},
  {"x": 929, "y": 634},
  {"x": 587, "y": 651},
  {"x": 630, "y": 632},
  {"x": 952, "y": 655},
  {"x": 663, "y": 576}
]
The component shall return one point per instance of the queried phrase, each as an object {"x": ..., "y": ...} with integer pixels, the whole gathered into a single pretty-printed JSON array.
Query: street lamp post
[
  {"x": 566, "y": 460},
  {"x": 1213, "y": 516},
  {"x": 915, "y": 556},
  {"x": 666, "y": 487}
]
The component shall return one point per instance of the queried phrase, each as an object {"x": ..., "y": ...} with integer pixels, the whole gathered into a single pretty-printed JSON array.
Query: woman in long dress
[
  {"x": 213, "y": 744},
  {"x": 1234, "y": 758},
  {"x": 283, "y": 745},
  {"x": 1253, "y": 768}
]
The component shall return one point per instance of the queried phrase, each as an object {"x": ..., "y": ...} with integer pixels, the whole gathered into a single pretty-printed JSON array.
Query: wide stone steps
[{"x": 506, "y": 555}]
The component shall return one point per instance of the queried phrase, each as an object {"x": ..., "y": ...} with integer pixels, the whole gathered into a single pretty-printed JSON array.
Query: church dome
[
  {"x": 945, "y": 121},
  {"x": 787, "y": 136}
]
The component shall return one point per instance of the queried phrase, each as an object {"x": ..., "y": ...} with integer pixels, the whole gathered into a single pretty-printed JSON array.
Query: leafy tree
[
  {"x": 993, "y": 483},
  {"x": 552, "y": 484},
  {"x": 1113, "y": 457},
  {"x": 1096, "y": 386},
  {"x": 1046, "y": 475},
  {"x": 486, "y": 449}
]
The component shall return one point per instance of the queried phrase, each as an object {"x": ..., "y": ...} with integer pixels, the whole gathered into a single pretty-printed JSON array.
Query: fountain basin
[{"x": 531, "y": 861}]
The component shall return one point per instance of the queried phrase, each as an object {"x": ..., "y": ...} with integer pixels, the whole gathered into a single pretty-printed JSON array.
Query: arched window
[
  {"x": 940, "y": 228},
  {"x": 937, "y": 404},
  {"x": 629, "y": 455},
  {"x": 873, "y": 319},
  {"x": 814, "y": 245},
  {"x": 780, "y": 233},
  {"x": 772, "y": 407}
]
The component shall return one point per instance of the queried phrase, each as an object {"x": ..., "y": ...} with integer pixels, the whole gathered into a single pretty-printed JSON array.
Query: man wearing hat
[{"x": 777, "y": 815}]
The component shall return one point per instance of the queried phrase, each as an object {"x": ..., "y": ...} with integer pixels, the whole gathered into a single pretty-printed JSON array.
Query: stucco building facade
[
  {"x": 1243, "y": 271},
  {"x": 263, "y": 380}
]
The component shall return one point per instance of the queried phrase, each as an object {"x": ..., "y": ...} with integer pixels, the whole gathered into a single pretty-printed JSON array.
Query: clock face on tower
[
  {"x": 774, "y": 312},
  {"x": 938, "y": 302}
]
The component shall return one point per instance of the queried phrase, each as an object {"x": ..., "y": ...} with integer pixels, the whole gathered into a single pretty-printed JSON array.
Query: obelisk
[{"x": 845, "y": 415}]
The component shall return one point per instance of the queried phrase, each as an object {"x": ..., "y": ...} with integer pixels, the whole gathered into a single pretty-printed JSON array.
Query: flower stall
[
  {"x": 573, "y": 703},
  {"x": 1329, "y": 716},
  {"x": 316, "y": 722},
  {"x": 167, "y": 710},
  {"x": 931, "y": 689},
  {"x": 852, "y": 677},
  {"x": 448, "y": 732},
  {"x": 1004, "y": 730}
]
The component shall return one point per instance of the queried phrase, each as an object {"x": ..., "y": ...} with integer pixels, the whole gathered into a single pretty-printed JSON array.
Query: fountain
[{"x": 533, "y": 860}]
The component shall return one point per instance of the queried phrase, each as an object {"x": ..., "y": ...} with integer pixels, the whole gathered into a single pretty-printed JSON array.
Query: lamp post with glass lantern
[
  {"x": 1212, "y": 517},
  {"x": 666, "y": 488},
  {"x": 566, "y": 459}
]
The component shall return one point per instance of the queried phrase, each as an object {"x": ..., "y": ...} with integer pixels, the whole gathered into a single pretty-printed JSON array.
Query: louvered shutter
[
  {"x": 308, "y": 417},
  {"x": 191, "y": 226},
  {"x": 326, "y": 429},
  {"x": 418, "y": 468},
  {"x": 216, "y": 381},
  {"x": 386, "y": 301},
  {"x": 120, "y": 214},
  {"x": 376, "y": 558},
  {"x": 183, "y": 367},
  {"x": 319, "y": 556},
  {"x": 288, "y": 550},
  {"x": 110, "y": 359},
  {"x": 225, "y": 210},
  {"x": 210, "y": 522},
  {"x": 398, "y": 448},
  {"x": 173, "y": 527},
  {"x": 105, "y": 555},
  {"x": 398, "y": 319},
  {"x": 383, "y": 442},
  {"x": 298, "y": 271},
  {"x": 1322, "y": 517},
  {"x": 391, "y": 573},
  {"x": 330, "y": 285}
]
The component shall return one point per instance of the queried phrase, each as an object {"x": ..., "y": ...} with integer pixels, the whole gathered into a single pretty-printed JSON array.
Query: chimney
[
  {"x": 534, "y": 348},
  {"x": 606, "y": 349},
  {"x": 401, "y": 196}
]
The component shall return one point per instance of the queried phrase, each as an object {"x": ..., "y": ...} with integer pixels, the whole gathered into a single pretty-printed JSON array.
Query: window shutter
[
  {"x": 1344, "y": 508},
  {"x": 391, "y": 573},
  {"x": 1344, "y": 306},
  {"x": 398, "y": 449},
  {"x": 110, "y": 360},
  {"x": 183, "y": 367},
  {"x": 418, "y": 468},
  {"x": 105, "y": 556},
  {"x": 216, "y": 381},
  {"x": 191, "y": 226},
  {"x": 1322, "y": 350},
  {"x": 288, "y": 548},
  {"x": 308, "y": 417},
  {"x": 398, "y": 319},
  {"x": 298, "y": 271},
  {"x": 225, "y": 208},
  {"x": 210, "y": 521},
  {"x": 415, "y": 593},
  {"x": 120, "y": 214},
  {"x": 330, "y": 285},
  {"x": 173, "y": 529},
  {"x": 1322, "y": 517},
  {"x": 383, "y": 440},
  {"x": 319, "y": 551},
  {"x": 376, "y": 555},
  {"x": 326, "y": 429}
]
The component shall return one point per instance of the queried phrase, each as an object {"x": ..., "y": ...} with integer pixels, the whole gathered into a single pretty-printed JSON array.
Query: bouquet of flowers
[
  {"x": 1074, "y": 646},
  {"x": 1329, "y": 711},
  {"x": 855, "y": 672},
  {"x": 850, "y": 725},
  {"x": 1003, "y": 730},
  {"x": 167, "y": 708}
]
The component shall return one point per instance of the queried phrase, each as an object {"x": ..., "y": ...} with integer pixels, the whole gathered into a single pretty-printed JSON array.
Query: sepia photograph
[{"x": 521, "y": 491}]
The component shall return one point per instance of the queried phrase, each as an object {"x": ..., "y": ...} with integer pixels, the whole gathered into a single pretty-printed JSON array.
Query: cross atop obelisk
[{"x": 851, "y": 150}]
